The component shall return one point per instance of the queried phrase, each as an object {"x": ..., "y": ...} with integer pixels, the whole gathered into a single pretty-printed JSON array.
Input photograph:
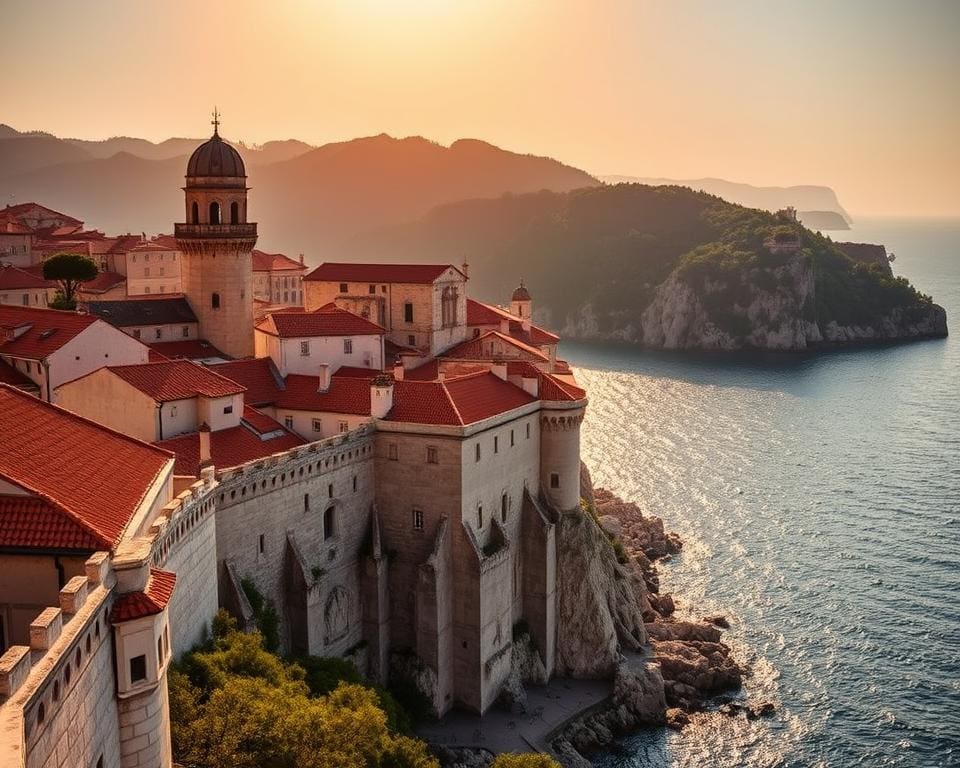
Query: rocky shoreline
[{"x": 616, "y": 624}]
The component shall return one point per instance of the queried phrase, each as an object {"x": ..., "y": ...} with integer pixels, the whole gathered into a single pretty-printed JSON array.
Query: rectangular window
[
  {"x": 343, "y": 287},
  {"x": 511, "y": 439},
  {"x": 138, "y": 668},
  {"x": 343, "y": 426},
  {"x": 26, "y": 300},
  {"x": 158, "y": 333},
  {"x": 185, "y": 331},
  {"x": 317, "y": 425},
  {"x": 392, "y": 452},
  {"x": 306, "y": 502},
  {"x": 146, "y": 271},
  {"x": 418, "y": 519},
  {"x": 354, "y": 483},
  {"x": 496, "y": 444},
  {"x": 288, "y": 422},
  {"x": 528, "y": 430},
  {"x": 372, "y": 289},
  {"x": 348, "y": 346},
  {"x": 304, "y": 349},
  {"x": 330, "y": 491},
  {"x": 476, "y": 450},
  {"x": 554, "y": 480},
  {"x": 412, "y": 340},
  {"x": 504, "y": 505},
  {"x": 431, "y": 455},
  {"x": 480, "y": 516},
  {"x": 408, "y": 312},
  {"x": 136, "y": 333},
  {"x": 214, "y": 300},
  {"x": 161, "y": 271},
  {"x": 147, "y": 290},
  {"x": 383, "y": 289},
  {"x": 260, "y": 544},
  {"x": 228, "y": 409}
]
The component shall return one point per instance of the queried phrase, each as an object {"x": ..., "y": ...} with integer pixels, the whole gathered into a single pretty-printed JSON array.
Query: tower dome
[
  {"x": 216, "y": 158},
  {"x": 520, "y": 293}
]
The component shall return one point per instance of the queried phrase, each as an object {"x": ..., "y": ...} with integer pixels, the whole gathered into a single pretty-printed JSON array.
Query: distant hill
[
  {"x": 665, "y": 266},
  {"x": 305, "y": 199},
  {"x": 823, "y": 220},
  {"x": 805, "y": 198}
]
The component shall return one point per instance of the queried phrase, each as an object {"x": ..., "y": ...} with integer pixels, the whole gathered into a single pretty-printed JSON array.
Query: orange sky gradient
[{"x": 858, "y": 95}]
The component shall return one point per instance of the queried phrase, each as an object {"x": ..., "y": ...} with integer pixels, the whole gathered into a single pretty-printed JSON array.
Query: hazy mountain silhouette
[
  {"x": 305, "y": 199},
  {"x": 807, "y": 198}
]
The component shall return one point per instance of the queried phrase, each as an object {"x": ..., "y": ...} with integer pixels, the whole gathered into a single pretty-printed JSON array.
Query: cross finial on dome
[{"x": 215, "y": 122}]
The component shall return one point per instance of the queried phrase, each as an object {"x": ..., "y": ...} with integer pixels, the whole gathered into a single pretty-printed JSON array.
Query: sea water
[{"x": 818, "y": 496}]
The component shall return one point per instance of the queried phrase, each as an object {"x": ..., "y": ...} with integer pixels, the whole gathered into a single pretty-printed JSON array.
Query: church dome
[
  {"x": 520, "y": 293},
  {"x": 216, "y": 158}
]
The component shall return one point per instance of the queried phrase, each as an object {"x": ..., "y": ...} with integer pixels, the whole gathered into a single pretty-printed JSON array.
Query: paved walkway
[{"x": 548, "y": 707}]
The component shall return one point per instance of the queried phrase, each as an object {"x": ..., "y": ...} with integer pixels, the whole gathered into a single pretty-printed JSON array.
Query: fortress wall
[{"x": 264, "y": 501}]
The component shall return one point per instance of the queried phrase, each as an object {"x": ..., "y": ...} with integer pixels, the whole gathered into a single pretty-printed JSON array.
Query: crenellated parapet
[{"x": 560, "y": 422}]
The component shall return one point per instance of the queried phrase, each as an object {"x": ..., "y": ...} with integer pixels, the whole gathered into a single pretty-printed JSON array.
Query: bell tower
[{"x": 217, "y": 243}]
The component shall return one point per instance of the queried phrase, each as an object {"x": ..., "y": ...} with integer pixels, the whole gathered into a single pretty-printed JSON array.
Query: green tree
[
  {"x": 526, "y": 760},
  {"x": 69, "y": 270}
]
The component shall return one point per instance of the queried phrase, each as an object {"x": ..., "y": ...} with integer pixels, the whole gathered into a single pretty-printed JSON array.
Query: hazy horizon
[{"x": 858, "y": 96}]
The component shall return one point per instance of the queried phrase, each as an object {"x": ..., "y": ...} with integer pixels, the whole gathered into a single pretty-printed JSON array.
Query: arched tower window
[
  {"x": 329, "y": 523},
  {"x": 215, "y": 300},
  {"x": 234, "y": 212},
  {"x": 195, "y": 213},
  {"x": 214, "y": 213}
]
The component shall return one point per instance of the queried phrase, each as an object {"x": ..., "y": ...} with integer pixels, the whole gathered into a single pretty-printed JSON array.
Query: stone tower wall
[{"x": 560, "y": 456}]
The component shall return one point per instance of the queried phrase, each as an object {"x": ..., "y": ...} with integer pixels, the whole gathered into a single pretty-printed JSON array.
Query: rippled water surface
[{"x": 819, "y": 499}]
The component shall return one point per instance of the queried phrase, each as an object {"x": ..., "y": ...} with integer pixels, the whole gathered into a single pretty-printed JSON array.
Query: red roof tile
[
  {"x": 274, "y": 262},
  {"x": 260, "y": 376},
  {"x": 168, "y": 242},
  {"x": 329, "y": 320},
  {"x": 187, "y": 349},
  {"x": 229, "y": 447},
  {"x": 457, "y": 401},
  {"x": 35, "y": 523},
  {"x": 552, "y": 388},
  {"x": 345, "y": 395},
  {"x": 356, "y": 372},
  {"x": 479, "y": 313},
  {"x": 488, "y": 346},
  {"x": 13, "y": 278},
  {"x": 176, "y": 380},
  {"x": 47, "y": 330},
  {"x": 95, "y": 476},
  {"x": 379, "y": 273},
  {"x": 103, "y": 282},
  {"x": 151, "y": 601}
]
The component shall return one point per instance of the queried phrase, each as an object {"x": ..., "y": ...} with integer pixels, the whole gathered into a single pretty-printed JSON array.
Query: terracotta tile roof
[
  {"x": 430, "y": 371},
  {"x": 457, "y": 401},
  {"x": 47, "y": 330},
  {"x": 393, "y": 350},
  {"x": 151, "y": 601},
  {"x": 158, "y": 310},
  {"x": 479, "y": 313},
  {"x": 260, "y": 376},
  {"x": 153, "y": 246},
  {"x": 176, "y": 380},
  {"x": 18, "y": 379},
  {"x": 345, "y": 395},
  {"x": 356, "y": 372},
  {"x": 96, "y": 477},
  {"x": 260, "y": 422},
  {"x": 328, "y": 320},
  {"x": 168, "y": 242},
  {"x": 102, "y": 283},
  {"x": 379, "y": 273},
  {"x": 185, "y": 349},
  {"x": 29, "y": 522},
  {"x": 491, "y": 346},
  {"x": 13, "y": 278},
  {"x": 549, "y": 387},
  {"x": 26, "y": 209},
  {"x": 230, "y": 447},
  {"x": 274, "y": 262}
]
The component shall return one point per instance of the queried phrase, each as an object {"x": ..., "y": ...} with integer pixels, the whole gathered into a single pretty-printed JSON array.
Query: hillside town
[{"x": 364, "y": 445}]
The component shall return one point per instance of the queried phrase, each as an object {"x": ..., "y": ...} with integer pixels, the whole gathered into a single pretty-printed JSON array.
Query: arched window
[
  {"x": 234, "y": 212},
  {"x": 215, "y": 300},
  {"x": 195, "y": 213},
  {"x": 214, "y": 213}
]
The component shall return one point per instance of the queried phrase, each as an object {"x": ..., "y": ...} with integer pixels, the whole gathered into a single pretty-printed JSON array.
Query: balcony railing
[{"x": 214, "y": 230}]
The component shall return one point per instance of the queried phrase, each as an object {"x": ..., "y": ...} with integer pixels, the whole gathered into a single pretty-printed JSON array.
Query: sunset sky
[{"x": 863, "y": 96}]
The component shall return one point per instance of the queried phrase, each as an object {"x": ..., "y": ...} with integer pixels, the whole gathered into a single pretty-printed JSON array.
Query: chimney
[
  {"x": 323, "y": 377},
  {"x": 398, "y": 370},
  {"x": 381, "y": 396},
  {"x": 301, "y": 258},
  {"x": 465, "y": 268},
  {"x": 205, "y": 458}
]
